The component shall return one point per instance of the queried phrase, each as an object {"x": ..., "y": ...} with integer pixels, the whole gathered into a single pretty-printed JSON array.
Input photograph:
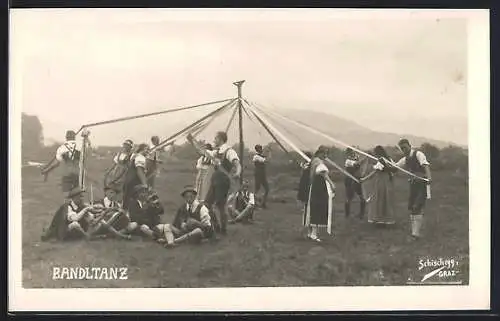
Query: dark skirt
[
  {"x": 381, "y": 202},
  {"x": 319, "y": 211}
]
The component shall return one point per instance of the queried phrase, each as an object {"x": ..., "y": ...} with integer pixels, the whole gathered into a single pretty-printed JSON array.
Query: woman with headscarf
[
  {"x": 381, "y": 202},
  {"x": 116, "y": 174},
  {"x": 205, "y": 168},
  {"x": 319, "y": 208}
]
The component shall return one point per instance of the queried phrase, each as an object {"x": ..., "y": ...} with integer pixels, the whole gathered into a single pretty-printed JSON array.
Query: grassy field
[{"x": 271, "y": 252}]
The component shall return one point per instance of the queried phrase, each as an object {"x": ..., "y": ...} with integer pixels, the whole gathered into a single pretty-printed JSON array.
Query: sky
[{"x": 400, "y": 72}]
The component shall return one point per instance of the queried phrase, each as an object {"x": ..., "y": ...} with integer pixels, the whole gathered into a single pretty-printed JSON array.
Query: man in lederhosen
[
  {"x": 416, "y": 162},
  {"x": 227, "y": 172},
  {"x": 67, "y": 155},
  {"x": 353, "y": 167},
  {"x": 153, "y": 160},
  {"x": 260, "y": 175}
]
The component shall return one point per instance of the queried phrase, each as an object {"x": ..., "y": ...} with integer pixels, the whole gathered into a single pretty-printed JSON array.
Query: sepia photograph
[{"x": 259, "y": 159}]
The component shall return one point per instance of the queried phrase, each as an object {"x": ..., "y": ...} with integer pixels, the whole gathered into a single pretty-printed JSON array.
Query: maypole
[
  {"x": 240, "y": 122},
  {"x": 83, "y": 158}
]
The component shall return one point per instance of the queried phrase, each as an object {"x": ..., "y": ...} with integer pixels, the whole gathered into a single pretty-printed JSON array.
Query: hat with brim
[
  {"x": 188, "y": 189},
  {"x": 75, "y": 191},
  {"x": 128, "y": 142}
]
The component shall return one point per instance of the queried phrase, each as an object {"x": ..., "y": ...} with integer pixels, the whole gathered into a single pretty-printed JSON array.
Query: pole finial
[{"x": 238, "y": 83}]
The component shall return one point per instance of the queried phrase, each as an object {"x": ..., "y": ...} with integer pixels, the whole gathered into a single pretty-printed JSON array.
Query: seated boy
[
  {"x": 113, "y": 219},
  {"x": 192, "y": 221},
  {"x": 72, "y": 219},
  {"x": 241, "y": 206},
  {"x": 145, "y": 208}
]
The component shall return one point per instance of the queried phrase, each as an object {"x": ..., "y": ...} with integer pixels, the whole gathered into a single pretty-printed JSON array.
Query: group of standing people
[{"x": 317, "y": 190}]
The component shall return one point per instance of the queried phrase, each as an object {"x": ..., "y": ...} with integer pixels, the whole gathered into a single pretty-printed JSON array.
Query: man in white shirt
[
  {"x": 73, "y": 218},
  {"x": 115, "y": 220},
  {"x": 154, "y": 159},
  {"x": 416, "y": 162},
  {"x": 260, "y": 174},
  {"x": 192, "y": 221},
  {"x": 227, "y": 172},
  {"x": 67, "y": 155},
  {"x": 243, "y": 205},
  {"x": 353, "y": 167}
]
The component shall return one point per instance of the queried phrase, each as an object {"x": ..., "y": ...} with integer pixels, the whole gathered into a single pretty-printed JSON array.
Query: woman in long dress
[
  {"x": 304, "y": 185},
  {"x": 381, "y": 202},
  {"x": 205, "y": 169},
  {"x": 319, "y": 209},
  {"x": 116, "y": 174}
]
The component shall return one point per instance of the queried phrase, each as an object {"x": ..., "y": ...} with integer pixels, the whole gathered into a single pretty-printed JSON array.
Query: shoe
[{"x": 314, "y": 238}]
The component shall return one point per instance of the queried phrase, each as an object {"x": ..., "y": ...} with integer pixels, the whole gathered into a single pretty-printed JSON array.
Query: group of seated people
[{"x": 105, "y": 218}]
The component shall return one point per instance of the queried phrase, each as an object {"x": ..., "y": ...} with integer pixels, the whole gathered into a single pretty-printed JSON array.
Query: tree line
[{"x": 452, "y": 157}]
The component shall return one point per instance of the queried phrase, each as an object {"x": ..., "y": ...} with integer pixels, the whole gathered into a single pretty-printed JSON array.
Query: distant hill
[{"x": 337, "y": 127}]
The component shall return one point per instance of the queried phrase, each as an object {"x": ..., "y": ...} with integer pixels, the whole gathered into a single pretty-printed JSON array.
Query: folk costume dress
[
  {"x": 116, "y": 175},
  {"x": 205, "y": 169},
  {"x": 132, "y": 178},
  {"x": 381, "y": 202},
  {"x": 319, "y": 209},
  {"x": 68, "y": 154}
]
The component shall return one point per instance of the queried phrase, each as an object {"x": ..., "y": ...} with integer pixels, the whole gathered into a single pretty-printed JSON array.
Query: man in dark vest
[
  {"x": 242, "y": 206},
  {"x": 192, "y": 221},
  {"x": 72, "y": 219},
  {"x": 260, "y": 175},
  {"x": 416, "y": 162},
  {"x": 227, "y": 172},
  {"x": 353, "y": 167}
]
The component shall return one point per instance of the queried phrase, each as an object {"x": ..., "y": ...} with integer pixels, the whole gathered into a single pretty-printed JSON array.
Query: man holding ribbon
[
  {"x": 227, "y": 172},
  {"x": 416, "y": 162}
]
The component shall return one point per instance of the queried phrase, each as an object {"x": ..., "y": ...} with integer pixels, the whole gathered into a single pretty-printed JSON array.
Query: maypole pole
[{"x": 240, "y": 122}]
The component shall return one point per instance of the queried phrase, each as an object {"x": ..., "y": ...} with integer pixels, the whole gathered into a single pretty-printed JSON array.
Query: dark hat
[
  {"x": 70, "y": 134},
  {"x": 75, "y": 191},
  {"x": 189, "y": 189},
  {"x": 258, "y": 147}
]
